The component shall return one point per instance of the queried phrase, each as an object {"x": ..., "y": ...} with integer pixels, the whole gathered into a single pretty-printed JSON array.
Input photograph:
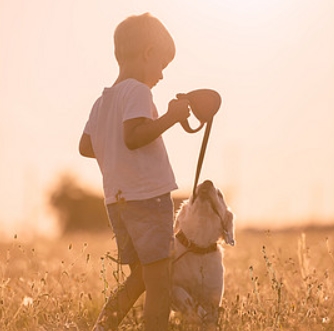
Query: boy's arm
[
  {"x": 85, "y": 146},
  {"x": 141, "y": 131}
]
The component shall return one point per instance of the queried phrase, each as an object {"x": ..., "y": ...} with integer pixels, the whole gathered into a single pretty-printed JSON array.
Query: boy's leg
[
  {"x": 121, "y": 301},
  {"x": 149, "y": 225},
  {"x": 157, "y": 303}
]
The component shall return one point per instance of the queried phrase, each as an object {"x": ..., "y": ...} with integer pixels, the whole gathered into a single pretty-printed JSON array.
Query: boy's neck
[{"x": 130, "y": 70}]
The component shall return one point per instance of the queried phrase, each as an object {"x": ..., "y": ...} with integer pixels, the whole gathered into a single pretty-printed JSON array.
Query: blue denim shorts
[{"x": 143, "y": 229}]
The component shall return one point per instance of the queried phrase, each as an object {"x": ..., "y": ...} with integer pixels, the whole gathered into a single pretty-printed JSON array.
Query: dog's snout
[
  {"x": 207, "y": 183},
  {"x": 204, "y": 189}
]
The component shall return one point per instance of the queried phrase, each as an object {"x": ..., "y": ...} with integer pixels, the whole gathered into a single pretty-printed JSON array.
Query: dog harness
[{"x": 192, "y": 247}]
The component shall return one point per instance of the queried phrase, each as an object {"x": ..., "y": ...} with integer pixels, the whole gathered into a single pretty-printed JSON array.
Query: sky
[{"x": 271, "y": 146}]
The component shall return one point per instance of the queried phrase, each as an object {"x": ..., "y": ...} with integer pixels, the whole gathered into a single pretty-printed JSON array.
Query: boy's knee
[
  {"x": 161, "y": 266},
  {"x": 157, "y": 272}
]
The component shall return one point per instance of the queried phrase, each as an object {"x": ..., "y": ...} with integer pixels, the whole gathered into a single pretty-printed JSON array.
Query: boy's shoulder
[{"x": 128, "y": 86}]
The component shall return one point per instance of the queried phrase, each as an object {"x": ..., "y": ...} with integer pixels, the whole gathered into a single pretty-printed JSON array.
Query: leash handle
[
  {"x": 204, "y": 104},
  {"x": 202, "y": 153}
]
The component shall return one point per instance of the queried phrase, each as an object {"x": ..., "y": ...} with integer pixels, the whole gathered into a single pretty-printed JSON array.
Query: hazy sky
[{"x": 271, "y": 148}]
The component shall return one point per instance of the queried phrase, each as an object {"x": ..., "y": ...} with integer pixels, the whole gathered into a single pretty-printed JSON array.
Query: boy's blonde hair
[{"x": 135, "y": 33}]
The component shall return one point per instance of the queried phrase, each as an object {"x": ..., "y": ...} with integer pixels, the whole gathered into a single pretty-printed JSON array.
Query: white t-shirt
[{"x": 137, "y": 174}]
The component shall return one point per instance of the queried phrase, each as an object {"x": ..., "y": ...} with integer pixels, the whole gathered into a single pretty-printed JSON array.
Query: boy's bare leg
[
  {"x": 157, "y": 303},
  {"x": 121, "y": 301}
]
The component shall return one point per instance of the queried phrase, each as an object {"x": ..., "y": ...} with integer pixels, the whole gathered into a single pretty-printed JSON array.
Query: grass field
[{"x": 273, "y": 281}]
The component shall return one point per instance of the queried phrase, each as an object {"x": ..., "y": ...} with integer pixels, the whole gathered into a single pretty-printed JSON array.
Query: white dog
[{"x": 198, "y": 268}]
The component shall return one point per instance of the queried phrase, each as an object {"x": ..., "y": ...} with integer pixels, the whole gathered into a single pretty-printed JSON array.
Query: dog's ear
[{"x": 228, "y": 228}]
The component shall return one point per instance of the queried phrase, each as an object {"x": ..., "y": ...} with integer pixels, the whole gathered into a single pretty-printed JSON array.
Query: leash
[
  {"x": 204, "y": 104},
  {"x": 202, "y": 153}
]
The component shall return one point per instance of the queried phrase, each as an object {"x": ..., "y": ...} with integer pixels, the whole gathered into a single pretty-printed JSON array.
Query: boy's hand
[
  {"x": 178, "y": 110},
  {"x": 141, "y": 131}
]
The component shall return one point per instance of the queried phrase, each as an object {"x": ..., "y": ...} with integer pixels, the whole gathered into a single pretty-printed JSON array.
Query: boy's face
[{"x": 154, "y": 65}]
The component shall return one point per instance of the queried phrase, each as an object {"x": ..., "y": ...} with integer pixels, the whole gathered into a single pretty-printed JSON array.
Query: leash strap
[{"x": 202, "y": 153}]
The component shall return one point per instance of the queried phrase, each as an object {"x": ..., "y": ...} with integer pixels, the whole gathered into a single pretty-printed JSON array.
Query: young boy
[{"x": 123, "y": 133}]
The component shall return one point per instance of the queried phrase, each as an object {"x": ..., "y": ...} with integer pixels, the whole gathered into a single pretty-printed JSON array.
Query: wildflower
[
  {"x": 326, "y": 320},
  {"x": 27, "y": 301}
]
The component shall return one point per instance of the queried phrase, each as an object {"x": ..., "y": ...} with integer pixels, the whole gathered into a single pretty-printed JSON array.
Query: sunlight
[
  {"x": 252, "y": 5},
  {"x": 270, "y": 60},
  {"x": 255, "y": 9}
]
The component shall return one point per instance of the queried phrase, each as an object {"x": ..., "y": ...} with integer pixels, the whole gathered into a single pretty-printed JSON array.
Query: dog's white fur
[{"x": 198, "y": 278}]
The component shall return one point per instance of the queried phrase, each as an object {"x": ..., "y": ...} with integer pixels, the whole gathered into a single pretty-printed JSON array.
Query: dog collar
[{"x": 193, "y": 247}]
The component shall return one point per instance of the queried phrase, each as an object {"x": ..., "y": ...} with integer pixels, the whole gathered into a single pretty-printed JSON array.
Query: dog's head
[{"x": 207, "y": 213}]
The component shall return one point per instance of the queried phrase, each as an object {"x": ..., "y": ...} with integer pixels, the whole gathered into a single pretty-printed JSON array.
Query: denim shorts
[{"x": 143, "y": 229}]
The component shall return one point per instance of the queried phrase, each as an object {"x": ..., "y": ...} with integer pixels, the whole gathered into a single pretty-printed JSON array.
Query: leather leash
[{"x": 201, "y": 154}]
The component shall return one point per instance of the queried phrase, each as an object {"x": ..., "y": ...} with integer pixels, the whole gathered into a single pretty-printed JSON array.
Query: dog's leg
[
  {"x": 183, "y": 302},
  {"x": 210, "y": 322}
]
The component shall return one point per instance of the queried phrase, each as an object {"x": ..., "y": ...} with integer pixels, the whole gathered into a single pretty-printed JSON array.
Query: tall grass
[{"x": 273, "y": 281}]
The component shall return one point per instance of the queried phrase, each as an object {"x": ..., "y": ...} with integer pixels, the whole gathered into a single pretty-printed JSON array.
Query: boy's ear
[{"x": 148, "y": 51}]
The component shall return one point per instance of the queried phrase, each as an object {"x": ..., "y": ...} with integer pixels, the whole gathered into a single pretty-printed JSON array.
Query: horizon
[{"x": 270, "y": 150}]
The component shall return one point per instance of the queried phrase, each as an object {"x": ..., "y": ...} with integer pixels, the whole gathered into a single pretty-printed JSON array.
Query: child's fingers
[{"x": 181, "y": 96}]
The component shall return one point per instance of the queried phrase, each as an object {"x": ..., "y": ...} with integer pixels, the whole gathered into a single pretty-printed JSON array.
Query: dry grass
[{"x": 273, "y": 281}]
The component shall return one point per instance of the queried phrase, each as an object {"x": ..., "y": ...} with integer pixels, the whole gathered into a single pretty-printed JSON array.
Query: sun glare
[
  {"x": 258, "y": 8},
  {"x": 271, "y": 61}
]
